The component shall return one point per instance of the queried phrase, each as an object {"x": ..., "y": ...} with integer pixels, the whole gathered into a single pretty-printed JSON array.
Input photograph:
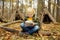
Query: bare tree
[
  {"x": 58, "y": 11},
  {"x": 49, "y": 6},
  {"x": 3, "y": 7}
]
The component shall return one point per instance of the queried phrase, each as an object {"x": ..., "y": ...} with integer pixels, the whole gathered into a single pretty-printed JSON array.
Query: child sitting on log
[{"x": 29, "y": 26}]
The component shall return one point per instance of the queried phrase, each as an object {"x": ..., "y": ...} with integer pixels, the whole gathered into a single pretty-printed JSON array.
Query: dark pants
[{"x": 29, "y": 29}]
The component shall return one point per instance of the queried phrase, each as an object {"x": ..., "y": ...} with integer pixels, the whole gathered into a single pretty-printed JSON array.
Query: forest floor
[{"x": 54, "y": 29}]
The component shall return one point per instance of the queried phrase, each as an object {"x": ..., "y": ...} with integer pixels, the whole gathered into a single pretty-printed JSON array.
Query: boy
[{"x": 29, "y": 27}]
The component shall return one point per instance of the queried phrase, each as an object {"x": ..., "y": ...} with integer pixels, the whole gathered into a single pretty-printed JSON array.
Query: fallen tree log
[
  {"x": 9, "y": 29},
  {"x": 18, "y": 21},
  {"x": 45, "y": 33}
]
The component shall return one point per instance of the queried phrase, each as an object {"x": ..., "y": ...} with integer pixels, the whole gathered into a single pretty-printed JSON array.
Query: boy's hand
[
  {"x": 34, "y": 23},
  {"x": 30, "y": 24},
  {"x": 26, "y": 24}
]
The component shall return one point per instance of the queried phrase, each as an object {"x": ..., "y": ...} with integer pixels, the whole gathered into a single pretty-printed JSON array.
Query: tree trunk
[
  {"x": 40, "y": 11},
  {"x": 55, "y": 9},
  {"x": 3, "y": 8},
  {"x": 58, "y": 11},
  {"x": 49, "y": 6}
]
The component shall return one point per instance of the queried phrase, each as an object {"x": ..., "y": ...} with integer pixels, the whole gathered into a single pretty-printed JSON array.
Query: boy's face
[{"x": 30, "y": 14}]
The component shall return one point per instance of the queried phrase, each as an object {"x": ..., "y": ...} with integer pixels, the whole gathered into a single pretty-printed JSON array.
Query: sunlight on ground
[{"x": 10, "y": 36}]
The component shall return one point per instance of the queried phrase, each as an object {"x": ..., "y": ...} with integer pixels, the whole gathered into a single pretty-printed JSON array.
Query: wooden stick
[
  {"x": 51, "y": 17},
  {"x": 11, "y": 23},
  {"x": 9, "y": 29}
]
